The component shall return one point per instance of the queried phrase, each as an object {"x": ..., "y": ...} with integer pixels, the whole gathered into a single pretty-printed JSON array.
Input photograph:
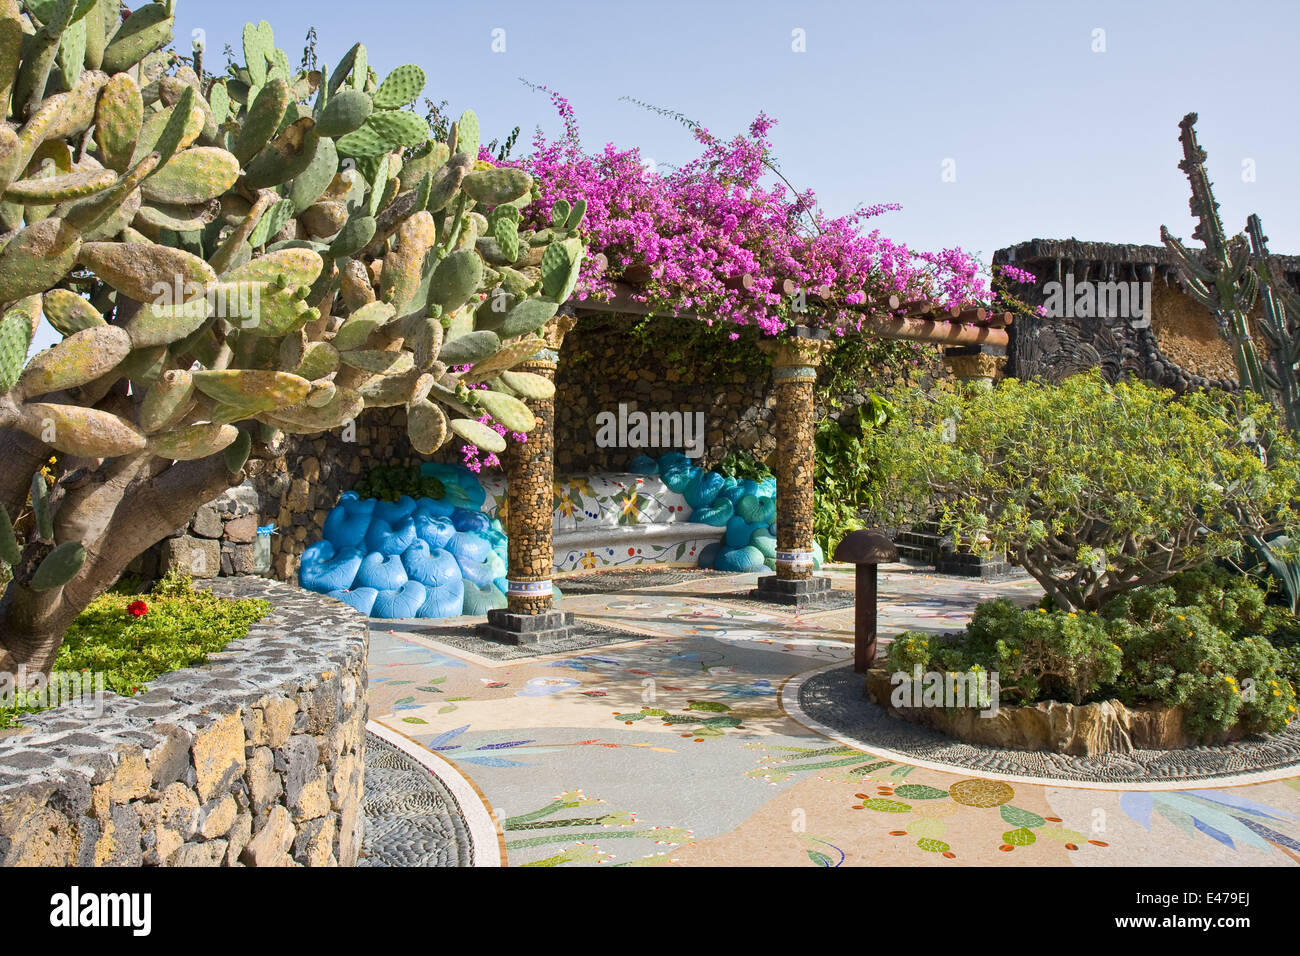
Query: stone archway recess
[{"x": 530, "y": 616}]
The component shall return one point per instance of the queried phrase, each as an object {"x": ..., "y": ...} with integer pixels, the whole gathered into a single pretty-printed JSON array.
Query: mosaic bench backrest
[{"x": 608, "y": 500}]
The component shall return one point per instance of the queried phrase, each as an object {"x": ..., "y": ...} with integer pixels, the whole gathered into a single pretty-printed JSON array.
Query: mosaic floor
[{"x": 679, "y": 749}]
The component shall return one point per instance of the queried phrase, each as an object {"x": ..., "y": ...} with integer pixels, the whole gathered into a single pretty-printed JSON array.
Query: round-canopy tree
[
  {"x": 1092, "y": 488},
  {"x": 228, "y": 260}
]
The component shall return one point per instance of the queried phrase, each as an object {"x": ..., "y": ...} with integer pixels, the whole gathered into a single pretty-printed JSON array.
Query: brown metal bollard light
[{"x": 866, "y": 549}]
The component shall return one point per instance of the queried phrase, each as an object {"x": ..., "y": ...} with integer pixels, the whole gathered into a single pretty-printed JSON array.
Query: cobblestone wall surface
[{"x": 253, "y": 759}]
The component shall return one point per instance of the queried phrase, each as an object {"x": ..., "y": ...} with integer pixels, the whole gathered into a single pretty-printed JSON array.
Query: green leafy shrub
[
  {"x": 846, "y": 476},
  {"x": 1202, "y": 641},
  {"x": 741, "y": 465},
  {"x": 1206, "y": 640},
  {"x": 1037, "y": 654},
  {"x": 179, "y": 628},
  {"x": 1093, "y": 488},
  {"x": 390, "y": 482}
]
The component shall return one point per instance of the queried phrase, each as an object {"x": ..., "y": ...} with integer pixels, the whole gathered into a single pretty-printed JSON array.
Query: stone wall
[
  {"x": 221, "y": 539},
  {"x": 600, "y": 367},
  {"x": 598, "y": 370},
  {"x": 255, "y": 758}
]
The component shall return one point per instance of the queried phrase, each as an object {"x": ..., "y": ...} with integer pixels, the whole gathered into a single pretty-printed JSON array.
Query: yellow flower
[
  {"x": 1072, "y": 614},
  {"x": 1042, "y": 610},
  {"x": 628, "y": 506}
]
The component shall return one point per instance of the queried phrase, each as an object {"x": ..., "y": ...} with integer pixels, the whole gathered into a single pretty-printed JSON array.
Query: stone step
[{"x": 925, "y": 555}]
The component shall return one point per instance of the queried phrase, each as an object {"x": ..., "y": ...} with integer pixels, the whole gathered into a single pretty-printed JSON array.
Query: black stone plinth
[
  {"x": 797, "y": 592},
  {"x": 505, "y": 627}
]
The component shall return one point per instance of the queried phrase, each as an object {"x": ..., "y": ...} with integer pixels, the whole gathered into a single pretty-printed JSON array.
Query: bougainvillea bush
[
  {"x": 1093, "y": 488},
  {"x": 700, "y": 226}
]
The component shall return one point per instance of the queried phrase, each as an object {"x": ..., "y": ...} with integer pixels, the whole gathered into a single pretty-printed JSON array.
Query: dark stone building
[{"x": 1121, "y": 308}]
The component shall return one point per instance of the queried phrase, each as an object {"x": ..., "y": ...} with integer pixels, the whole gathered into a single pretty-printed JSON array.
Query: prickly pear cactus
[{"x": 230, "y": 257}]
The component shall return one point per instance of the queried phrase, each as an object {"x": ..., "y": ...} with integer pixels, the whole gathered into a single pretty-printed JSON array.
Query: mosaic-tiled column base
[
  {"x": 794, "y": 373},
  {"x": 545, "y": 627},
  {"x": 797, "y": 592},
  {"x": 529, "y": 617}
]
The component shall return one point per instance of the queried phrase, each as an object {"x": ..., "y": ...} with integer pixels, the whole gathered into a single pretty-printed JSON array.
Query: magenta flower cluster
[{"x": 700, "y": 226}]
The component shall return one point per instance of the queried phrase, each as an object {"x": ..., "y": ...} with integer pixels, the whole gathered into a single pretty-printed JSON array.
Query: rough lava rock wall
[{"x": 253, "y": 759}]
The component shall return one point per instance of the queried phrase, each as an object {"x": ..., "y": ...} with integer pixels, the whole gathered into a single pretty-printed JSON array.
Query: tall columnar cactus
[
  {"x": 1276, "y": 297},
  {"x": 1227, "y": 286},
  {"x": 230, "y": 259},
  {"x": 1240, "y": 270}
]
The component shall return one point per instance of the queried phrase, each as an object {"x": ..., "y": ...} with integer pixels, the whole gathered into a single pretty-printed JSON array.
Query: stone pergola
[{"x": 976, "y": 342}]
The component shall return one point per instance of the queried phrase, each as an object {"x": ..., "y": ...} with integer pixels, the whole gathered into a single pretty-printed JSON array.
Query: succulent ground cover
[
  {"x": 128, "y": 636},
  {"x": 1205, "y": 640}
]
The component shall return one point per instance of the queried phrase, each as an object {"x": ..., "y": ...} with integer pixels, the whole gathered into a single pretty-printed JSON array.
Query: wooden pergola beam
[
  {"x": 917, "y": 320},
  {"x": 929, "y": 330}
]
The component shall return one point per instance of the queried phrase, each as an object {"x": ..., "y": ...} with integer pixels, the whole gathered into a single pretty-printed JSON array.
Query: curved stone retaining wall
[
  {"x": 255, "y": 758},
  {"x": 1088, "y": 730}
]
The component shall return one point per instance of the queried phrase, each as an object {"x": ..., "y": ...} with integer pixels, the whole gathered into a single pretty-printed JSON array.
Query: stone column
[
  {"x": 795, "y": 358},
  {"x": 975, "y": 363},
  {"x": 980, "y": 365},
  {"x": 529, "y": 616}
]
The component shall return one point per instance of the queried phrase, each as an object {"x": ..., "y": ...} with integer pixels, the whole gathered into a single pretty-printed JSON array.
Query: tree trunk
[
  {"x": 116, "y": 514},
  {"x": 22, "y": 456}
]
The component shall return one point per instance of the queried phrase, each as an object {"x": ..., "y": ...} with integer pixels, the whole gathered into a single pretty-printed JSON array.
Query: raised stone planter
[
  {"x": 255, "y": 758},
  {"x": 1085, "y": 730}
]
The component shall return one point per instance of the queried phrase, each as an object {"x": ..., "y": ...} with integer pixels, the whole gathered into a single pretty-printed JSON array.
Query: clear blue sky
[{"x": 1049, "y": 138}]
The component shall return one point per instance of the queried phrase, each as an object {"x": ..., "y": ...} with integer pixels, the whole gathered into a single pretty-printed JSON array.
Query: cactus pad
[
  {"x": 88, "y": 432},
  {"x": 196, "y": 175},
  {"x": 494, "y": 187},
  {"x": 252, "y": 387},
  {"x": 193, "y": 441},
  {"x": 506, "y": 409},
  {"x": 427, "y": 426},
  {"x": 478, "y": 434},
  {"x": 400, "y": 87},
  {"x": 59, "y": 567},
  {"x": 78, "y": 359}
]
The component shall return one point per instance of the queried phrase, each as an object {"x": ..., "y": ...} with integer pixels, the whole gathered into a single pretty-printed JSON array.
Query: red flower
[{"x": 137, "y": 609}]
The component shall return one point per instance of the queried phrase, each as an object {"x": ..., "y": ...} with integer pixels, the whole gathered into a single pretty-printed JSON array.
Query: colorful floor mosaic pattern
[{"x": 674, "y": 750}]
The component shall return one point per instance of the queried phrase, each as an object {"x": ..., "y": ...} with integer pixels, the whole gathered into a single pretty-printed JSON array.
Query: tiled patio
[{"x": 684, "y": 745}]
